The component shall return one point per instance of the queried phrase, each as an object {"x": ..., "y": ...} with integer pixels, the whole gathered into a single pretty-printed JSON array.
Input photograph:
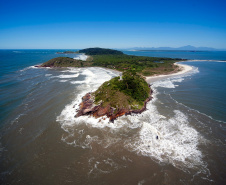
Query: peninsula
[
  {"x": 122, "y": 95},
  {"x": 113, "y": 59}
]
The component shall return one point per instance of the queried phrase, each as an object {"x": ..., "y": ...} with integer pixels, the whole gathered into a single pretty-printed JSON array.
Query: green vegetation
[
  {"x": 100, "y": 51},
  {"x": 65, "y": 62},
  {"x": 146, "y": 66},
  {"x": 129, "y": 93},
  {"x": 114, "y": 59}
]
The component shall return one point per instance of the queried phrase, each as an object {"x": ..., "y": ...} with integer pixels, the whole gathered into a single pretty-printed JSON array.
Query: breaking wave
[{"x": 164, "y": 138}]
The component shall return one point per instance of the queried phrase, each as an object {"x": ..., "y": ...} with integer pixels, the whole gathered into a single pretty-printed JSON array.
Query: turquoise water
[{"x": 41, "y": 142}]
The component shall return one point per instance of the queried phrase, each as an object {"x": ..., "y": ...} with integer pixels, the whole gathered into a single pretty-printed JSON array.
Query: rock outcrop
[{"x": 87, "y": 107}]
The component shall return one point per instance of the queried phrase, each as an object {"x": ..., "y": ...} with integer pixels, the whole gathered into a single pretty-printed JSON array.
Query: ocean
[{"x": 41, "y": 142}]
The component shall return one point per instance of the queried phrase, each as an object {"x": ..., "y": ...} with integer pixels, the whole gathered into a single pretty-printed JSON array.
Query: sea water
[{"x": 41, "y": 142}]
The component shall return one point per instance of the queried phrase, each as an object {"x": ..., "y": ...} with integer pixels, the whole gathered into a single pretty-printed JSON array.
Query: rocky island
[{"x": 122, "y": 95}]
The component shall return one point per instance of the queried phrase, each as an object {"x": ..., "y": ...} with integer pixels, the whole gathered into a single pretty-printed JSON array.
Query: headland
[{"x": 122, "y": 95}]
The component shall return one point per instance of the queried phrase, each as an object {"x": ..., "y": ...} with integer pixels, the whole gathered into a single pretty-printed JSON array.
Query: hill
[
  {"x": 65, "y": 62},
  {"x": 183, "y": 48},
  {"x": 117, "y": 97},
  {"x": 100, "y": 51}
]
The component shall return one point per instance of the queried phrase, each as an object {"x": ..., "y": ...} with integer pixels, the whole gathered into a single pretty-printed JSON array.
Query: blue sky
[{"x": 111, "y": 23}]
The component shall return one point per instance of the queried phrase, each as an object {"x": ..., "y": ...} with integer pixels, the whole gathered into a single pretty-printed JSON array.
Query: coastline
[
  {"x": 186, "y": 113},
  {"x": 149, "y": 79},
  {"x": 182, "y": 67}
]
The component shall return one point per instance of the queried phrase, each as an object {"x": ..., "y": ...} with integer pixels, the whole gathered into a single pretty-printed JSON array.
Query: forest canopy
[{"x": 100, "y": 51}]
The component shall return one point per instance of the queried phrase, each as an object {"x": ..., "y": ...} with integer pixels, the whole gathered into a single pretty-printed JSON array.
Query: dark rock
[{"x": 87, "y": 107}]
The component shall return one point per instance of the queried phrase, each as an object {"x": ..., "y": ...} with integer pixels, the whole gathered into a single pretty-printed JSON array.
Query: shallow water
[{"x": 41, "y": 142}]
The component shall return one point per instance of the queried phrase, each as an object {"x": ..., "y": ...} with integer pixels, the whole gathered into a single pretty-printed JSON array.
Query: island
[
  {"x": 123, "y": 95},
  {"x": 100, "y": 51}
]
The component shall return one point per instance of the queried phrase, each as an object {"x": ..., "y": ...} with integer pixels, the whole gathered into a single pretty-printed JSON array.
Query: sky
[{"x": 70, "y": 24}]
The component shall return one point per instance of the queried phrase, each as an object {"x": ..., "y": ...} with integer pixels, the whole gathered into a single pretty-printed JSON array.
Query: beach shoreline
[
  {"x": 182, "y": 70},
  {"x": 149, "y": 79}
]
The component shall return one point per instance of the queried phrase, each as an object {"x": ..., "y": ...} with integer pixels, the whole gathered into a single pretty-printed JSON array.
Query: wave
[
  {"x": 63, "y": 81},
  {"x": 68, "y": 76},
  {"x": 71, "y": 70},
  {"x": 167, "y": 139},
  {"x": 27, "y": 68},
  {"x": 81, "y": 57},
  {"x": 169, "y": 82},
  {"x": 94, "y": 78},
  {"x": 219, "y": 121}
]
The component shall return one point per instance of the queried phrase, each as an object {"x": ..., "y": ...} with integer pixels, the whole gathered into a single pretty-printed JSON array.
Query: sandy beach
[
  {"x": 183, "y": 69},
  {"x": 150, "y": 79}
]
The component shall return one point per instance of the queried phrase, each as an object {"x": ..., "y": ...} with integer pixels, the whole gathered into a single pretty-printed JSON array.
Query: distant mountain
[
  {"x": 186, "y": 48},
  {"x": 189, "y": 47}
]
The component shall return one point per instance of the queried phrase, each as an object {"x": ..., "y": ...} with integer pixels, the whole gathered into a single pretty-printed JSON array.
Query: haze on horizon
[{"x": 112, "y": 24}]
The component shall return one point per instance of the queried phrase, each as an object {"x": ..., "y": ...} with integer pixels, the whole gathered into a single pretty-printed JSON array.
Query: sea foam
[
  {"x": 168, "y": 140},
  {"x": 81, "y": 57},
  {"x": 68, "y": 76}
]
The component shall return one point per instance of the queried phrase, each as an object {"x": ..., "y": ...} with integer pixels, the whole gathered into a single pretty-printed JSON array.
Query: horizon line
[{"x": 144, "y": 48}]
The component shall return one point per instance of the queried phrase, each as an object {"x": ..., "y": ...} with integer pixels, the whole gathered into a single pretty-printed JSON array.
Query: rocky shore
[{"x": 87, "y": 107}]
